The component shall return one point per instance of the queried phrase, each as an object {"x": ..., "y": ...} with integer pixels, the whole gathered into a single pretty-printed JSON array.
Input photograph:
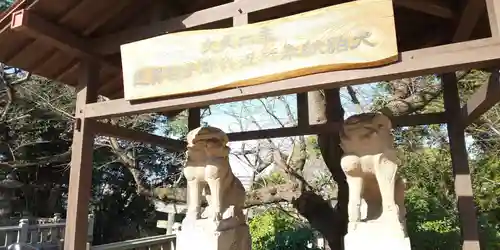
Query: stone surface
[
  {"x": 204, "y": 234},
  {"x": 370, "y": 164},
  {"x": 208, "y": 173},
  {"x": 222, "y": 225},
  {"x": 377, "y": 235}
]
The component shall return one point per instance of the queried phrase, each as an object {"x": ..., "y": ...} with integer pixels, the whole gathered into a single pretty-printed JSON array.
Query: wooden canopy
[
  {"x": 77, "y": 42},
  {"x": 48, "y": 37}
]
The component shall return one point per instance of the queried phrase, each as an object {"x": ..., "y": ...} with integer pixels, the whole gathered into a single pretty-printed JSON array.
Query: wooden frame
[
  {"x": 442, "y": 59},
  {"x": 109, "y": 44},
  {"x": 332, "y": 127},
  {"x": 37, "y": 27},
  {"x": 483, "y": 99},
  {"x": 81, "y": 161},
  {"x": 460, "y": 164}
]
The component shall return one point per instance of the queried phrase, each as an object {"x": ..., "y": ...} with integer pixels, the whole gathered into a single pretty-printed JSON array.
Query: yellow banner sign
[{"x": 351, "y": 35}]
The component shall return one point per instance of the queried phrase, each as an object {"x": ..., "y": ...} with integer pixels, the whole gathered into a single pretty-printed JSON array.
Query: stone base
[
  {"x": 204, "y": 235},
  {"x": 377, "y": 236}
]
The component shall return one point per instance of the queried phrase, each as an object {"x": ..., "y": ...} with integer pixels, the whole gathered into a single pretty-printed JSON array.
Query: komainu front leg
[
  {"x": 354, "y": 206},
  {"x": 194, "y": 199},
  {"x": 385, "y": 172},
  {"x": 351, "y": 165},
  {"x": 214, "y": 182}
]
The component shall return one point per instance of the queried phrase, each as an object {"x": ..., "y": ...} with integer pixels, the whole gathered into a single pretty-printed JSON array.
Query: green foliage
[
  {"x": 5, "y": 4},
  {"x": 486, "y": 183},
  {"x": 431, "y": 208},
  {"x": 275, "y": 178},
  {"x": 276, "y": 230},
  {"x": 313, "y": 146},
  {"x": 36, "y": 127},
  {"x": 432, "y": 215}
]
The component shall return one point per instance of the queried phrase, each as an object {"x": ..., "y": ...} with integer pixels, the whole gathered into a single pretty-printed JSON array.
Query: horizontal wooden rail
[
  {"x": 441, "y": 59},
  {"x": 398, "y": 121},
  {"x": 135, "y": 135}
]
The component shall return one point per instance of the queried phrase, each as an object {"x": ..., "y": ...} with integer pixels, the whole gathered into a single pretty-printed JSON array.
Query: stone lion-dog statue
[
  {"x": 370, "y": 164},
  {"x": 208, "y": 173}
]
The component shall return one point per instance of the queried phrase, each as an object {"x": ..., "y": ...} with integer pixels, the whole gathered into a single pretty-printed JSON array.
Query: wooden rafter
[
  {"x": 441, "y": 59},
  {"x": 36, "y": 27},
  {"x": 109, "y": 44},
  {"x": 468, "y": 20},
  {"x": 428, "y": 7}
]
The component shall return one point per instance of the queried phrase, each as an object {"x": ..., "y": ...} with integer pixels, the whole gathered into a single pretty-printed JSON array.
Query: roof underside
[{"x": 419, "y": 24}]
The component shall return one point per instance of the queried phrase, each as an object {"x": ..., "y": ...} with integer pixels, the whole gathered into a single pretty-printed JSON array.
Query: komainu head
[
  {"x": 358, "y": 131},
  {"x": 369, "y": 122},
  {"x": 208, "y": 141}
]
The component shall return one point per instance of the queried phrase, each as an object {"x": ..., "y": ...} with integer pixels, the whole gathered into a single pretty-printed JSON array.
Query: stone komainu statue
[
  {"x": 208, "y": 172},
  {"x": 370, "y": 164}
]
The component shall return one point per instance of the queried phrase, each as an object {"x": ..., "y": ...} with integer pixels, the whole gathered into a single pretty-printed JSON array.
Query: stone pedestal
[
  {"x": 204, "y": 234},
  {"x": 377, "y": 236}
]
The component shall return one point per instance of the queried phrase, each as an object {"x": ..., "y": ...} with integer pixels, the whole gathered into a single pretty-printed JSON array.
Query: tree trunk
[{"x": 330, "y": 222}]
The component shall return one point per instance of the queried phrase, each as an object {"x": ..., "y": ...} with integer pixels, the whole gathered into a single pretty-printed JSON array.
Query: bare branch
[
  {"x": 354, "y": 98},
  {"x": 261, "y": 196}
]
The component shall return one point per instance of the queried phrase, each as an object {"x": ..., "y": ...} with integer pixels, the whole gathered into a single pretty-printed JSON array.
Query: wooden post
[
  {"x": 194, "y": 118},
  {"x": 240, "y": 18},
  {"x": 80, "y": 180},
  {"x": 460, "y": 164},
  {"x": 302, "y": 110}
]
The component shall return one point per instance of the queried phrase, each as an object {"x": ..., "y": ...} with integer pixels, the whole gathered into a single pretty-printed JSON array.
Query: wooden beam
[
  {"x": 428, "y": 7},
  {"x": 460, "y": 164},
  {"x": 110, "y": 44},
  {"x": 459, "y": 56},
  {"x": 468, "y": 20},
  {"x": 333, "y": 127},
  {"x": 493, "y": 7},
  {"x": 139, "y": 136},
  {"x": 483, "y": 99},
  {"x": 114, "y": 85},
  {"x": 36, "y": 27},
  {"x": 80, "y": 180},
  {"x": 103, "y": 18}
]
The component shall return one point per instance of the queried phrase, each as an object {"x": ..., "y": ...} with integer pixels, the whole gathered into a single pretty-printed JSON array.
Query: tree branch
[
  {"x": 258, "y": 197},
  {"x": 64, "y": 157}
]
